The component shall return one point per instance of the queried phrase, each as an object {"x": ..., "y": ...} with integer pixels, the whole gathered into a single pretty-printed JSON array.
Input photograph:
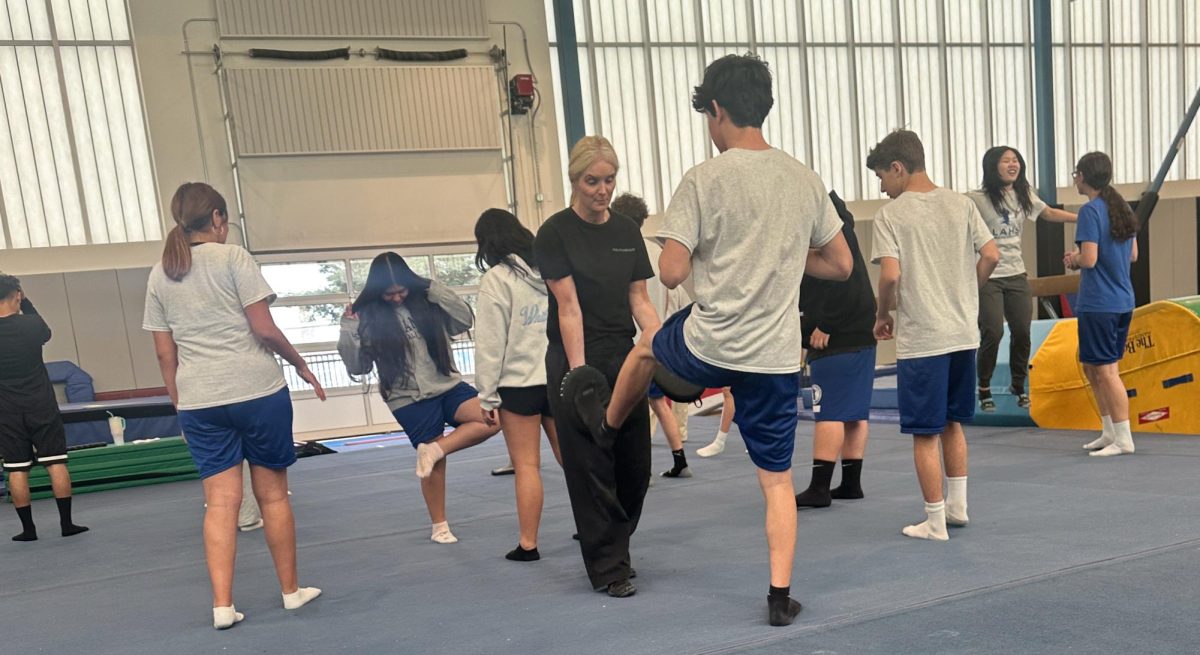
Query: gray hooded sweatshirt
[
  {"x": 424, "y": 381},
  {"x": 510, "y": 342}
]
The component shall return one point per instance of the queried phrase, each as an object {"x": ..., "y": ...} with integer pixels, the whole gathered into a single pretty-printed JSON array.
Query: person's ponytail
[
  {"x": 177, "y": 255},
  {"x": 192, "y": 207},
  {"x": 1122, "y": 222}
]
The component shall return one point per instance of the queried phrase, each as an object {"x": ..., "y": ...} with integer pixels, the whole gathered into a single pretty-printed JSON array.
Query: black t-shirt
[
  {"x": 843, "y": 310},
  {"x": 24, "y": 382},
  {"x": 603, "y": 260}
]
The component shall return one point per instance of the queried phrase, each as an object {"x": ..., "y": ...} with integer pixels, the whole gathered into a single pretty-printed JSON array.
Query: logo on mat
[
  {"x": 1139, "y": 341},
  {"x": 1154, "y": 415}
]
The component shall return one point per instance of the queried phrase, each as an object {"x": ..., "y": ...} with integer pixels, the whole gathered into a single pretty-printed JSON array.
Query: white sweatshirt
[{"x": 510, "y": 331}]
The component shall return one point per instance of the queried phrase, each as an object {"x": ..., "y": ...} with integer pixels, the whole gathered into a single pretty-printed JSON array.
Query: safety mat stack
[{"x": 117, "y": 467}]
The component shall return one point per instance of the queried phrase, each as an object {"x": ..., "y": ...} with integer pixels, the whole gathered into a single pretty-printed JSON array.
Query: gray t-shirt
[
  {"x": 749, "y": 217},
  {"x": 220, "y": 361},
  {"x": 935, "y": 235},
  {"x": 1006, "y": 226}
]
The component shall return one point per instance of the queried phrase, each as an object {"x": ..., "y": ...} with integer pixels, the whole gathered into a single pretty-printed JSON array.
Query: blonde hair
[{"x": 589, "y": 150}]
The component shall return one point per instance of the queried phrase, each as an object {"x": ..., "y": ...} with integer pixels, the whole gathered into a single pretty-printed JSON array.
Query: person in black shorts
[
  {"x": 596, "y": 267},
  {"x": 31, "y": 429},
  {"x": 510, "y": 361}
]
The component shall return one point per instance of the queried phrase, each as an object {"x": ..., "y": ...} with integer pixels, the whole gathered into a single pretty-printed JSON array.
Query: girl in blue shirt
[{"x": 1106, "y": 246}]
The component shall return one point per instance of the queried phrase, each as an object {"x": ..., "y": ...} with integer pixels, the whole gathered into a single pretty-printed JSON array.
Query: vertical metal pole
[
  {"x": 1050, "y": 236},
  {"x": 568, "y": 71},
  {"x": 1043, "y": 74}
]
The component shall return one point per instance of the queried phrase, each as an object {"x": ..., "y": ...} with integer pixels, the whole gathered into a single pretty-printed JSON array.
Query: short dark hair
[
  {"x": 8, "y": 285},
  {"x": 631, "y": 206},
  {"x": 741, "y": 85},
  {"x": 903, "y": 146}
]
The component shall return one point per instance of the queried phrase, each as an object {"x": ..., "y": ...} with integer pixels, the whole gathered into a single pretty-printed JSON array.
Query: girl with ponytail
[
  {"x": 1107, "y": 245},
  {"x": 207, "y": 305}
]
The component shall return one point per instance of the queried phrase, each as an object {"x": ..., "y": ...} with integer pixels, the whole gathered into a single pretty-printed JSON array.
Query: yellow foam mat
[{"x": 1161, "y": 370}]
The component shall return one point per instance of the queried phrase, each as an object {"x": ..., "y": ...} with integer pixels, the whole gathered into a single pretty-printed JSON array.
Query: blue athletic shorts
[
  {"x": 842, "y": 385},
  {"x": 655, "y": 393},
  {"x": 258, "y": 431},
  {"x": 1102, "y": 336},
  {"x": 934, "y": 390},
  {"x": 766, "y": 403},
  {"x": 426, "y": 420}
]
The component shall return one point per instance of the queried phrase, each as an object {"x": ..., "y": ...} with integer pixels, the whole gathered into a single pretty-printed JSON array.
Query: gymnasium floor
[{"x": 1064, "y": 553}]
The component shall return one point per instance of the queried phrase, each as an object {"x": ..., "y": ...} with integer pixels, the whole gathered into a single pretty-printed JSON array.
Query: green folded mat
[{"x": 117, "y": 467}]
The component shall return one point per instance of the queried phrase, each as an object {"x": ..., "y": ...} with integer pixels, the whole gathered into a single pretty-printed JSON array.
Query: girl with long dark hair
[
  {"x": 510, "y": 367},
  {"x": 208, "y": 307},
  {"x": 1006, "y": 200},
  {"x": 401, "y": 325},
  {"x": 1106, "y": 246}
]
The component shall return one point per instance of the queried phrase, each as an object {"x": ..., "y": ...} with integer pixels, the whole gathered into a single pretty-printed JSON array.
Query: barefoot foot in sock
[
  {"x": 225, "y": 617},
  {"x": 300, "y": 597},
  {"x": 428, "y": 454}
]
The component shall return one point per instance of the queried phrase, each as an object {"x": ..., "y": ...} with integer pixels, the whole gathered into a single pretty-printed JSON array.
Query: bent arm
[
  {"x": 674, "y": 264},
  {"x": 832, "y": 261}
]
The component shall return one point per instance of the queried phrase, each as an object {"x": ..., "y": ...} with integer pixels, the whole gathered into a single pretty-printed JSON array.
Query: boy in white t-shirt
[
  {"x": 934, "y": 251},
  {"x": 745, "y": 225}
]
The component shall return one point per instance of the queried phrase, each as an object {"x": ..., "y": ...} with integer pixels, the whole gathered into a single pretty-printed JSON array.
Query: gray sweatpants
[{"x": 1004, "y": 299}]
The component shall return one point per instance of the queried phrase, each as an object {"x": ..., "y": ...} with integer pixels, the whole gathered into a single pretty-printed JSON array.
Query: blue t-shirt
[{"x": 1106, "y": 287}]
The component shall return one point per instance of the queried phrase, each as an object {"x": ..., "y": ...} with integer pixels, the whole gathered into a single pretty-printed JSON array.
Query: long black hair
[
  {"x": 384, "y": 341},
  {"x": 1096, "y": 170},
  {"x": 993, "y": 186},
  {"x": 501, "y": 237}
]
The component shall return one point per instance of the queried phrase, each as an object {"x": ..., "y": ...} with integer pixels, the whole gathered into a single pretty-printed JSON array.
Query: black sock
[
  {"x": 781, "y": 608},
  {"x": 64, "y": 518},
  {"x": 851, "y": 487},
  {"x": 817, "y": 493},
  {"x": 680, "y": 466},
  {"x": 680, "y": 459},
  {"x": 29, "y": 531},
  {"x": 985, "y": 393},
  {"x": 519, "y": 554}
]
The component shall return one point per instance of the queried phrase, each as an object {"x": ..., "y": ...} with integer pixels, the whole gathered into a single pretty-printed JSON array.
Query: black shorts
[
  {"x": 32, "y": 436},
  {"x": 525, "y": 401}
]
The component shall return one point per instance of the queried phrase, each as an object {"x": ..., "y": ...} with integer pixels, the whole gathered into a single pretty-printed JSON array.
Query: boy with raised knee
[{"x": 746, "y": 226}]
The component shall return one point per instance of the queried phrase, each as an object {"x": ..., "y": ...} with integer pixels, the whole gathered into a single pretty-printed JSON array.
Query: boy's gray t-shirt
[
  {"x": 936, "y": 236},
  {"x": 1006, "y": 226},
  {"x": 220, "y": 360},
  {"x": 749, "y": 217}
]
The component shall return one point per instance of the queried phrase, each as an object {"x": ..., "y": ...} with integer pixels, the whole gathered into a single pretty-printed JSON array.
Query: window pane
[
  {"x": 309, "y": 323},
  {"x": 359, "y": 268},
  {"x": 456, "y": 270},
  {"x": 306, "y": 279}
]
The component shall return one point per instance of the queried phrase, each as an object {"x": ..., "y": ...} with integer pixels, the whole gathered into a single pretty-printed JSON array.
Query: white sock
[
  {"x": 1106, "y": 435},
  {"x": 956, "y": 501},
  {"x": 716, "y": 447},
  {"x": 225, "y": 617},
  {"x": 1122, "y": 443},
  {"x": 442, "y": 534},
  {"x": 933, "y": 527},
  {"x": 300, "y": 597},
  {"x": 428, "y": 454}
]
